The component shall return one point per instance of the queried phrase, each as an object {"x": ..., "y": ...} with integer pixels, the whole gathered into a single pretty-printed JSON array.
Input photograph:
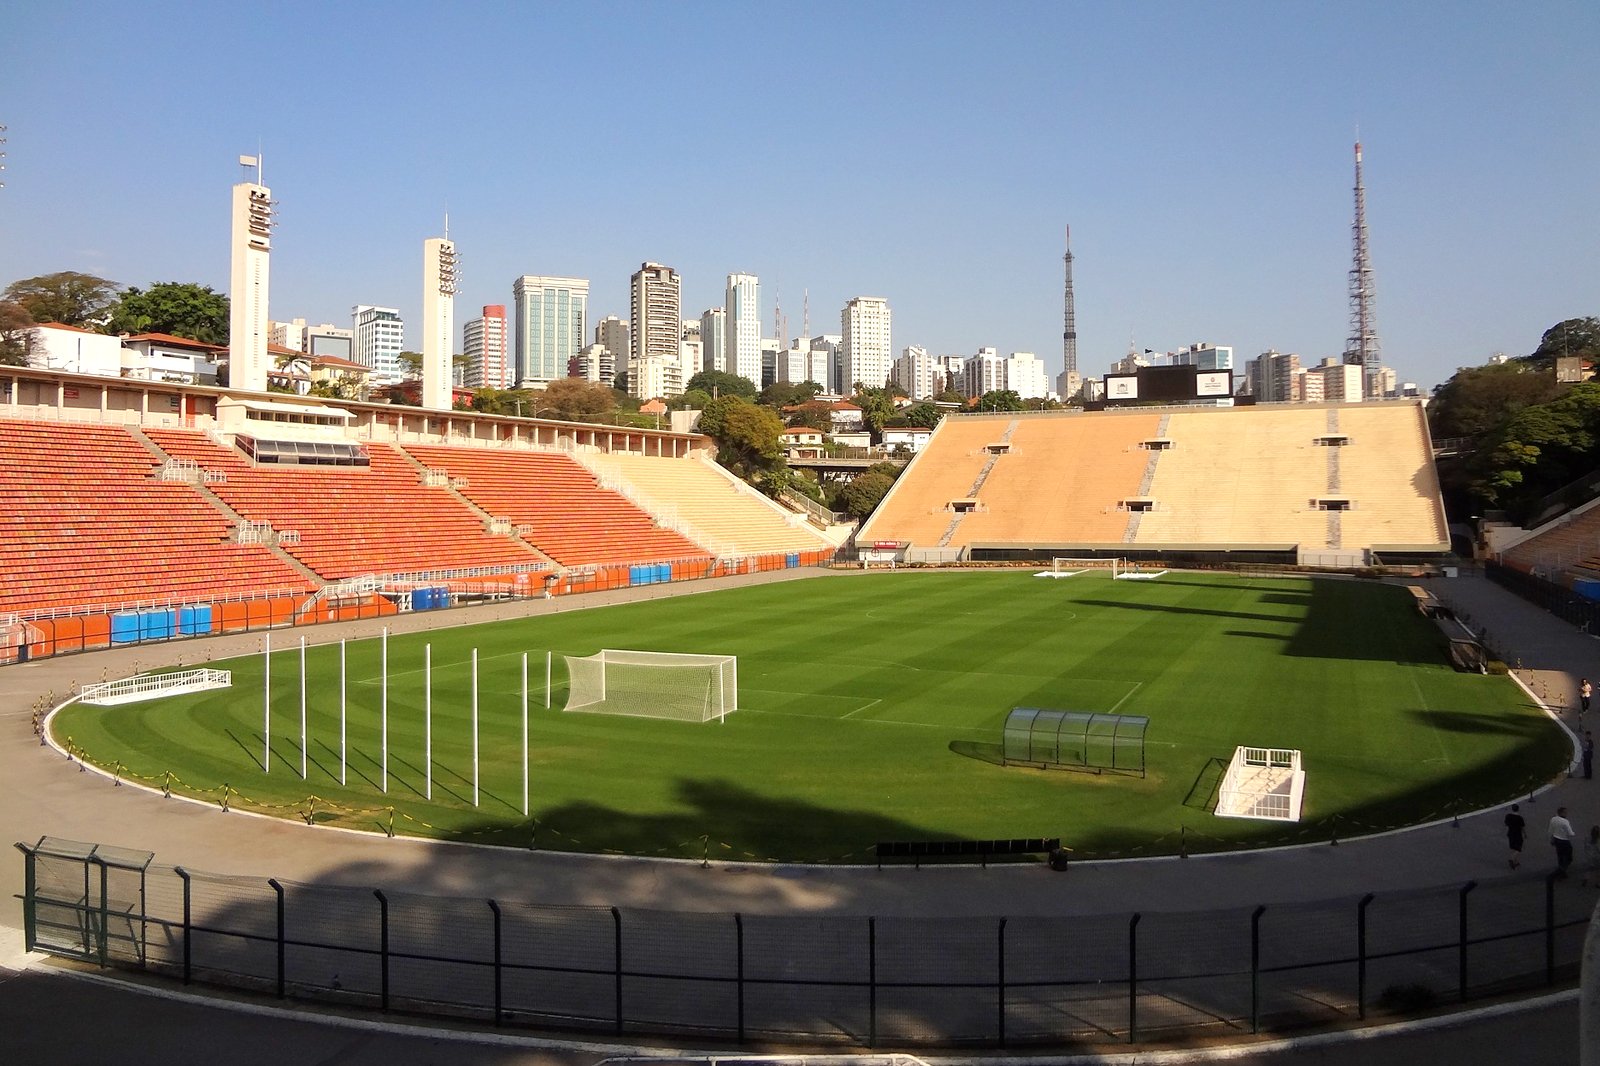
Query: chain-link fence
[
  {"x": 857, "y": 981},
  {"x": 1559, "y": 600}
]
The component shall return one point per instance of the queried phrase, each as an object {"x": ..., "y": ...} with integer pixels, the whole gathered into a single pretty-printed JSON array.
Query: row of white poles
[{"x": 383, "y": 715}]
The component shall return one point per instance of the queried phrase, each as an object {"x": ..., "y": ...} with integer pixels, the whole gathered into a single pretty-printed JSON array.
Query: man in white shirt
[{"x": 1561, "y": 835}]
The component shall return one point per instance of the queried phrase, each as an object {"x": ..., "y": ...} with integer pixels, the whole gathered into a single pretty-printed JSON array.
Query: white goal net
[
  {"x": 653, "y": 684},
  {"x": 1069, "y": 567},
  {"x": 1263, "y": 783}
]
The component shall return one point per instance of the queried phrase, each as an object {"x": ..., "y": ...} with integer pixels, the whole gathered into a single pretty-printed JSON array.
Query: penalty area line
[{"x": 1137, "y": 685}]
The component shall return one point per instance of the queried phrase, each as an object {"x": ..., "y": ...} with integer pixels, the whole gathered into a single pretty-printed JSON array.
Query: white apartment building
[
  {"x": 1203, "y": 356},
  {"x": 378, "y": 338},
  {"x": 1272, "y": 377},
  {"x": 1025, "y": 375},
  {"x": 596, "y": 363},
  {"x": 484, "y": 343},
  {"x": 742, "y": 327},
  {"x": 984, "y": 372},
  {"x": 865, "y": 351},
  {"x": 656, "y": 377},
  {"x": 657, "y": 307},
  {"x": 925, "y": 376},
  {"x": 1341, "y": 381},
  {"x": 691, "y": 355},
  {"x": 550, "y": 326},
  {"x": 1068, "y": 384}
]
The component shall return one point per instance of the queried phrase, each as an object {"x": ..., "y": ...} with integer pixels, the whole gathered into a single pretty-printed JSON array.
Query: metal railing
[{"x": 827, "y": 979}]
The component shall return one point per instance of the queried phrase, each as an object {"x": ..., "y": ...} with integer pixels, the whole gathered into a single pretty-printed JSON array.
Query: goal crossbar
[
  {"x": 652, "y": 684},
  {"x": 1067, "y": 566}
]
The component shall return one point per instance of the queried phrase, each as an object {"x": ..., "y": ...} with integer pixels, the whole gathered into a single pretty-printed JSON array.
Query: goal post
[
  {"x": 1068, "y": 566},
  {"x": 653, "y": 684}
]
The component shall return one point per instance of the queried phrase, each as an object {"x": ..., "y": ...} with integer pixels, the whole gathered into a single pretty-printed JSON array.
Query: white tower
[
  {"x": 741, "y": 347},
  {"x": 248, "y": 327},
  {"x": 438, "y": 319}
]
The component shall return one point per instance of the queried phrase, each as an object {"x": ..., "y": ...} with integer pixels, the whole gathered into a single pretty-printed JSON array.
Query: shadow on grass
[
  {"x": 1203, "y": 793},
  {"x": 994, "y": 754},
  {"x": 1477, "y": 722}
]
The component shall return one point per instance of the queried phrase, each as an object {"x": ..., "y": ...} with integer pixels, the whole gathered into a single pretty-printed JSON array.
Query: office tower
[
  {"x": 713, "y": 339},
  {"x": 657, "y": 308},
  {"x": 247, "y": 288},
  {"x": 550, "y": 326},
  {"x": 742, "y": 327},
  {"x": 438, "y": 321},
  {"x": 483, "y": 342},
  {"x": 866, "y": 355},
  {"x": 379, "y": 338}
]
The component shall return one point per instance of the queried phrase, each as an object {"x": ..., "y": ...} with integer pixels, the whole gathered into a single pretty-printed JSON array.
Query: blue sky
[{"x": 926, "y": 152}]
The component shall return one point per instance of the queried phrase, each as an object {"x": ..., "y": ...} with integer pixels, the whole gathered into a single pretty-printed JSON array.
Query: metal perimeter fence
[
  {"x": 1559, "y": 600},
  {"x": 821, "y": 979}
]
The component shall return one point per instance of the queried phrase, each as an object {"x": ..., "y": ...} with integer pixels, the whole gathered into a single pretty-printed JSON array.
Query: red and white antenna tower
[{"x": 1362, "y": 347}]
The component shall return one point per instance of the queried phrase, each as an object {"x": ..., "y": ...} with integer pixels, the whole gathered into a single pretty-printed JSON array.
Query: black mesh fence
[{"x": 853, "y": 981}]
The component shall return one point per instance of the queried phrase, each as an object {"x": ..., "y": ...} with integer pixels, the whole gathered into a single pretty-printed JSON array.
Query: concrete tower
[
  {"x": 438, "y": 319},
  {"x": 248, "y": 327}
]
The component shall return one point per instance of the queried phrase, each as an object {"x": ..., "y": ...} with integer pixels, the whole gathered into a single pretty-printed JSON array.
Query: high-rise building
[
  {"x": 656, "y": 377},
  {"x": 1025, "y": 376},
  {"x": 247, "y": 288},
  {"x": 438, "y": 322},
  {"x": 1203, "y": 356},
  {"x": 595, "y": 363},
  {"x": 742, "y": 327},
  {"x": 614, "y": 333},
  {"x": 1270, "y": 377},
  {"x": 326, "y": 339},
  {"x": 984, "y": 372},
  {"x": 925, "y": 376},
  {"x": 483, "y": 342},
  {"x": 1341, "y": 381},
  {"x": 550, "y": 326},
  {"x": 379, "y": 338},
  {"x": 713, "y": 339},
  {"x": 864, "y": 324},
  {"x": 657, "y": 308},
  {"x": 287, "y": 334}
]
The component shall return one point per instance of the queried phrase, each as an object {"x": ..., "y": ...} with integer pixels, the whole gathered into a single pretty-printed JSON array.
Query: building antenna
[
  {"x": 1362, "y": 348},
  {"x": 806, "y": 321},
  {"x": 447, "y": 220}
]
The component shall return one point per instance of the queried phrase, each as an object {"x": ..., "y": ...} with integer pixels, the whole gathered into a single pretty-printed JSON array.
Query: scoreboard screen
[{"x": 1167, "y": 384}]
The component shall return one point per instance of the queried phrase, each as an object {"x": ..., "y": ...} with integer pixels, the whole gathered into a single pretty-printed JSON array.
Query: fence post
[
  {"x": 738, "y": 945},
  {"x": 1255, "y": 968},
  {"x": 277, "y": 888},
  {"x": 1550, "y": 927},
  {"x": 872, "y": 982},
  {"x": 1133, "y": 978},
  {"x": 1465, "y": 890},
  {"x": 105, "y": 912},
  {"x": 383, "y": 948},
  {"x": 188, "y": 923},
  {"x": 1000, "y": 989},
  {"x": 498, "y": 1001},
  {"x": 30, "y": 887},
  {"x": 616, "y": 922},
  {"x": 1361, "y": 955}
]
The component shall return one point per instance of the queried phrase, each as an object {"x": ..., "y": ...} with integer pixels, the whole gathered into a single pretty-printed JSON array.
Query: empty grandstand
[{"x": 1317, "y": 484}]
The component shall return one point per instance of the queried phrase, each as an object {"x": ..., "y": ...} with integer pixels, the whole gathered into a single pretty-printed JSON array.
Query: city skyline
[{"x": 1213, "y": 209}]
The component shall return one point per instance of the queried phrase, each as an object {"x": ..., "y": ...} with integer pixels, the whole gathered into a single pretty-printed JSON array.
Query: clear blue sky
[{"x": 926, "y": 152}]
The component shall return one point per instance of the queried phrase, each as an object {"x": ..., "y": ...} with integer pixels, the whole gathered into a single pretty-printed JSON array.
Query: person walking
[
  {"x": 1588, "y": 755},
  {"x": 1515, "y": 825},
  {"x": 1585, "y": 691},
  {"x": 1561, "y": 835}
]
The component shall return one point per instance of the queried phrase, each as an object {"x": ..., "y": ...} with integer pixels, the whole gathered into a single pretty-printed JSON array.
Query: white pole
[
  {"x": 547, "y": 657},
  {"x": 341, "y": 713},
  {"x": 302, "y": 708},
  {"x": 427, "y": 718},
  {"x": 266, "y": 707},
  {"x": 383, "y": 715},
  {"x": 474, "y": 727},
  {"x": 525, "y": 734}
]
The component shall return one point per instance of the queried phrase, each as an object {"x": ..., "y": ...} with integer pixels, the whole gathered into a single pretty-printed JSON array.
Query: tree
[
  {"x": 722, "y": 383},
  {"x": 1575, "y": 336},
  {"x": 410, "y": 364},
  {"x": 67, "y": 297},
  {"x": 1000, "y": 400},
  {"x": 813, "y": 415},
  {"x": 16, "y": 334},
  {"x": 178, "y": 308},
  {"x": 925, "y": 415},
  {"x": 950, "y": 395},
  {"x": 1538, "y": 450},
  {"x": 864, "y": 492},
  {"x": 877, "y": 407},
  {"x": 1479, "y": 399},
  {"x": 714, "y": 416},
  {"x": 693, "y": 400},
  {"x": 575, "y": 400},
  {"x": 781, "y": 394}
]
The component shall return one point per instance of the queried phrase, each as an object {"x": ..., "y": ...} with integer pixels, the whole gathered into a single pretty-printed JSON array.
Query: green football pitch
[{"x": 871, "y": 708}]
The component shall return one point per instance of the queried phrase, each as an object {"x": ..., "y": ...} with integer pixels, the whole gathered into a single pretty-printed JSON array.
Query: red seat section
[
  {"x": 568, "y": 515},
  {"x": 85, "y": 524},
  {"x": 353, "y": 520}
]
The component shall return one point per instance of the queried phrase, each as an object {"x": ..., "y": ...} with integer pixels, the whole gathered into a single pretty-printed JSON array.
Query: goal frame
[
  {"x": 1071, "y": 566},
  {"x": 722, "y": 671}
]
